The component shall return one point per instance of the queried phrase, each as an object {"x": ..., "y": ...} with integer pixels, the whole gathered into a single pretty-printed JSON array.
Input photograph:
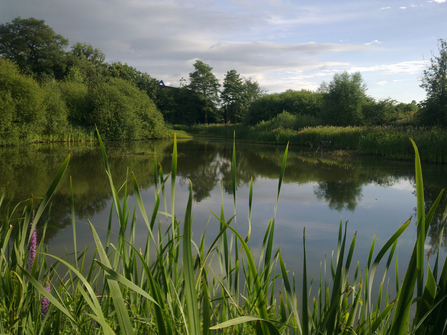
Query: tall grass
[
  {"x": 387, "y": 141},
  {"x": 169, "y": 286}
]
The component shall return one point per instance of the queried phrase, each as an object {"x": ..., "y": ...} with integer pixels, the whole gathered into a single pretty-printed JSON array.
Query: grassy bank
[
  {"x": 169, "y": 287},
  {"x": 387, "y": 141}
]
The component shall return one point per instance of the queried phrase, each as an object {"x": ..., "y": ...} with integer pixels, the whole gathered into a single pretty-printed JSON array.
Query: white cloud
[
  {"x": 437, "y": 1},
  {"x": 383, "y": 8},
  {"x": 403, "y": 7},
  {"x": 381, "y": 83},
  {"x": 410, "y": 67},
  {"x": 373, "y": 42}
]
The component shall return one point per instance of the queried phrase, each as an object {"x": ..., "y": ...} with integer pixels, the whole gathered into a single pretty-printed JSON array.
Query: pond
[{"x": 376, "y": 196}]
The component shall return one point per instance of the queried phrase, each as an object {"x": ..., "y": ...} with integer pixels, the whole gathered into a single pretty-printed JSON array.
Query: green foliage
[
  {"x": 22, "y": 103},
  {"x": 56, "y": 112},
  {"x": 34, "y": 46},
  {"x": 75, "y": 95},
  {"x": 343, "y": 100},
  {"x": 183, "y": 106},
  {"x": 287, "y": 120},
  {"x": 233, "y": 97},
  {"x": 295, "y": 102},
  {"x": 123, "y": 112},
  {"x": 204, "y": 82},
  {"x": 434, "y": 81},
  {"x": 379, "y": 113},
  {"x": 94, "y": 56},
  {"x": 141, "y": 80}
]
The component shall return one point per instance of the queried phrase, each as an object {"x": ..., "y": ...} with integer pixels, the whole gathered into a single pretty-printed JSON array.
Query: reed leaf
[
  {"x": 115, "y": 291},
  {"x": 188, "y": 268}
]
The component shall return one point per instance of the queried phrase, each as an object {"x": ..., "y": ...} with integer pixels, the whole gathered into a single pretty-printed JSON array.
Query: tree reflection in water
[{"x": 338, "y": 181}]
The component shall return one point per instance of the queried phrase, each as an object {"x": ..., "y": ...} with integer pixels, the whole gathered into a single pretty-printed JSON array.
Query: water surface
[{"x": 374, "y": 195}]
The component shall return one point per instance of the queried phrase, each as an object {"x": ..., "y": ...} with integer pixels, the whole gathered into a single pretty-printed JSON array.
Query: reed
[
  {"x": 169, "y": 286},
  {"x": 387, "y": 141}
]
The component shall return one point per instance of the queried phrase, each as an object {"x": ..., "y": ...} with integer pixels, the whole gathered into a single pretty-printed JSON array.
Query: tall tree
[
  {"x": 203, "y": 81},
  {"x": 344, "y": 99},
  {"x": 233, "y": 96},
  {"x": 253, "y": 91},
  {"x": 93, "y": 55},
  {"x": 140, "y": 79},
  {"x": 33, "y": 45},
  {"x": 434, "y": 81}
]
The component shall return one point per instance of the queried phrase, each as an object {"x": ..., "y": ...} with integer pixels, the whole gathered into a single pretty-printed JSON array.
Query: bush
[
  {"x": 287, "y": 120},
  {"x": 56, "y": 123},
  {"x": 21, "y": 105},
  {"x": 123, "y": 112},
  {"x": 295, "y": 102}
]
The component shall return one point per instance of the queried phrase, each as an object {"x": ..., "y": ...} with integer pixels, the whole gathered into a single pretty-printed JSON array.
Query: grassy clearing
[
  {"x": 387, "y": 141},
  {"x": 169, "y": 287}
]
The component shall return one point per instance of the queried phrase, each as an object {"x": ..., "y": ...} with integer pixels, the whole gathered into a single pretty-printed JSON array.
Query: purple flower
[
  {"x": 32, "y": 247},
  {"x": 44, "y": 302}
]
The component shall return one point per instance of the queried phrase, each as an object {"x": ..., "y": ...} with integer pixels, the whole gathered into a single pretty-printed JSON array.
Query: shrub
[
  {"x": 123, "y": 112},
  {"x": 22, "y": 104}
]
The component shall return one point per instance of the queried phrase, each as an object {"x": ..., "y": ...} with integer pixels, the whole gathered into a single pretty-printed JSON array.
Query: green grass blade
[
  {"x": 48, "y": 295},
  {"x": 73, "y": 223},
  {"x": 96, "y": 308},
  {"x": 46, "y": 199},
  {"x": 116, "y": 276},
  {"x": 115, "y": 291},
  {"x": 420, "y": 254},
  {"x": 244, "y": 319},
  {"x": 305, "y": 306},
  {"x": 188, "y": 268}
]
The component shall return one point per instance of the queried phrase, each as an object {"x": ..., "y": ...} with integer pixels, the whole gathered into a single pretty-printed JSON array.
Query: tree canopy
[
  {"x": 233, "y": 96},
  {"x": 204, "y": 82},
  {"x": 34, "y": 46},
  {"x": 344, "y": 99},
  {"x": 434, "y": 81}
]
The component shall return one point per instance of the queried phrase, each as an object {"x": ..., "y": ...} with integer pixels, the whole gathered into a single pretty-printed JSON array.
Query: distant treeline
[{"x": 48, "y": 93}]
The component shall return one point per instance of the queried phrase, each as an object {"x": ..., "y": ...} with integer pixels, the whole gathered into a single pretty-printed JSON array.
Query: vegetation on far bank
[
  {"x": 387, "y": 141},
  {"x": 50, "y": 94}
]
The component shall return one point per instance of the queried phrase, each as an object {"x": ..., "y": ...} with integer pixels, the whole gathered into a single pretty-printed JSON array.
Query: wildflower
[
  {"x": 44, "y": 302},
  {"x": 32, "y": 246}
]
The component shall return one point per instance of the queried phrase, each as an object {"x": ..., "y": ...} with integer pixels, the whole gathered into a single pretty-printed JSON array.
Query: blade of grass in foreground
[
  {"x": 115, "y": 291},
  {"x": 188, "y": 269},
  {"x": 48, "y": 195},
  {"x": 405, "y": 295}
]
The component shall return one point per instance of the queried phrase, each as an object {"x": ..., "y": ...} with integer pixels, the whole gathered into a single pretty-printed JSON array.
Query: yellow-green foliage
[
  {"x": 123, "y": 112},
  {"x": 22, "y": 105}
]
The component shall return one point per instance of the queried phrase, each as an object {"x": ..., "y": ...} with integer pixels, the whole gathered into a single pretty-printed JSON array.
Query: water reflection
[{"x": 339, "y": 182}]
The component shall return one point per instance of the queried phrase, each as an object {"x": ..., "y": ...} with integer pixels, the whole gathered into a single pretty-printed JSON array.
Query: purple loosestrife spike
[
  {"x": 44, "y": 302},
  {"x": 32, "y": 247}
]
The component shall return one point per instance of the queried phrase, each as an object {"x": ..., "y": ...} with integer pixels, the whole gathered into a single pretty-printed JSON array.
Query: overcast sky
[{"x": 281, "y": 44}]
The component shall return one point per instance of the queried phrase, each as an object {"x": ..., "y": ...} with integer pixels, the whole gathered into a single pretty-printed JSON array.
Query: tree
[
  {"x": 234, "y": 97},
  {"x": 434, "y": 81},
  {"x": 253, "y": 91},
  {"x": 343, "y": 100},
  {"x": 203, "y": 81},
  {"x": 34, "y": 46},
  {"x": 268, "y": 106},
  {"x": 140, "y": 79},
  {"x": 380, "y": 112},
  {"x": 94, "y": 56}
]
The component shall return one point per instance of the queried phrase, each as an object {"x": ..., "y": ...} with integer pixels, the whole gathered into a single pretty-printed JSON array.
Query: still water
[{"x": 374, "y": 195}]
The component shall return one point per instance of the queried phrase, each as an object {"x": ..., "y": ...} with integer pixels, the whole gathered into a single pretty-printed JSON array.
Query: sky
[{"x": 280, "y": 44}]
